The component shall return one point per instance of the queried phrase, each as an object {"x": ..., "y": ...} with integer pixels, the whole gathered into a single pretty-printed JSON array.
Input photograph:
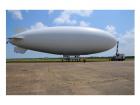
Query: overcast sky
[{"x": 118, "y": 22}]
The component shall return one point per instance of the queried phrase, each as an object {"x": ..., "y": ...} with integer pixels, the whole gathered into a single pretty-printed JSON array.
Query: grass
[{"x": 35, "y": 60}]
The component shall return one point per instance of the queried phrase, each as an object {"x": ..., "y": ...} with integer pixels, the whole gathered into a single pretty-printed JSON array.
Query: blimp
[{"x": 64, "y": 40}]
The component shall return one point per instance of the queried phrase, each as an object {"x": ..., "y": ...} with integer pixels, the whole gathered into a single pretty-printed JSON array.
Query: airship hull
[{"x": 66, "y": 40}]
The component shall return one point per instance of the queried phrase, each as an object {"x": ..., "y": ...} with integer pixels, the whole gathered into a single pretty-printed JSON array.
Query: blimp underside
[{"x": 66, "y": 40}]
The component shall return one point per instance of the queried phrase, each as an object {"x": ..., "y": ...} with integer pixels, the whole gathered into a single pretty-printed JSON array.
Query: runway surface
[{"x": 70, "y": 78}]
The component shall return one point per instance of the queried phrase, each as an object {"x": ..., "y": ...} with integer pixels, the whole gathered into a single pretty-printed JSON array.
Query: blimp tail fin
[{"x": 19, "y": 50}]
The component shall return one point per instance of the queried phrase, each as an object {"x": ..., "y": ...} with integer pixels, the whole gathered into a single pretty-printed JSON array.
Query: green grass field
[{"x": 88, "y": 59}]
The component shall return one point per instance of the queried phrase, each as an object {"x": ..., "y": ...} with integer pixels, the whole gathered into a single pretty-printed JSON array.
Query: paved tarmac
[{"x": 70, "y": 78}]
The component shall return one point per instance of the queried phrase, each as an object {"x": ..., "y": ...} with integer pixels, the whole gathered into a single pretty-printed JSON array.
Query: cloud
[
  {"x": 84, "y": 24},
  {"x": 65, "y": 17},
  {"x": 27, "y": 11},
  {"x": 38, "y": 25},
  {"x": 127, "y": 42},
  {"x": 20, "y": 29},
  {"x": 111, "y": 29},
  {"x": 126, "y": 39},
  {"x": 83, "y": 13},
  {"x": 50, "y": 12},
  {"x": 16, "y": 14},
  {"x": 128, "y": 36}
]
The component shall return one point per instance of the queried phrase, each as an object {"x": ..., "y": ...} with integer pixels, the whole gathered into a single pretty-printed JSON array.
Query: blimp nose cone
[
  {"x": 112, "y": 42},
  {"x": 15, "y": 39}
]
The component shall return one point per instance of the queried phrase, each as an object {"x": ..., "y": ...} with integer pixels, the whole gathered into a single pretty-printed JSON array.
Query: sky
[{"x": 118, "y": 22}]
